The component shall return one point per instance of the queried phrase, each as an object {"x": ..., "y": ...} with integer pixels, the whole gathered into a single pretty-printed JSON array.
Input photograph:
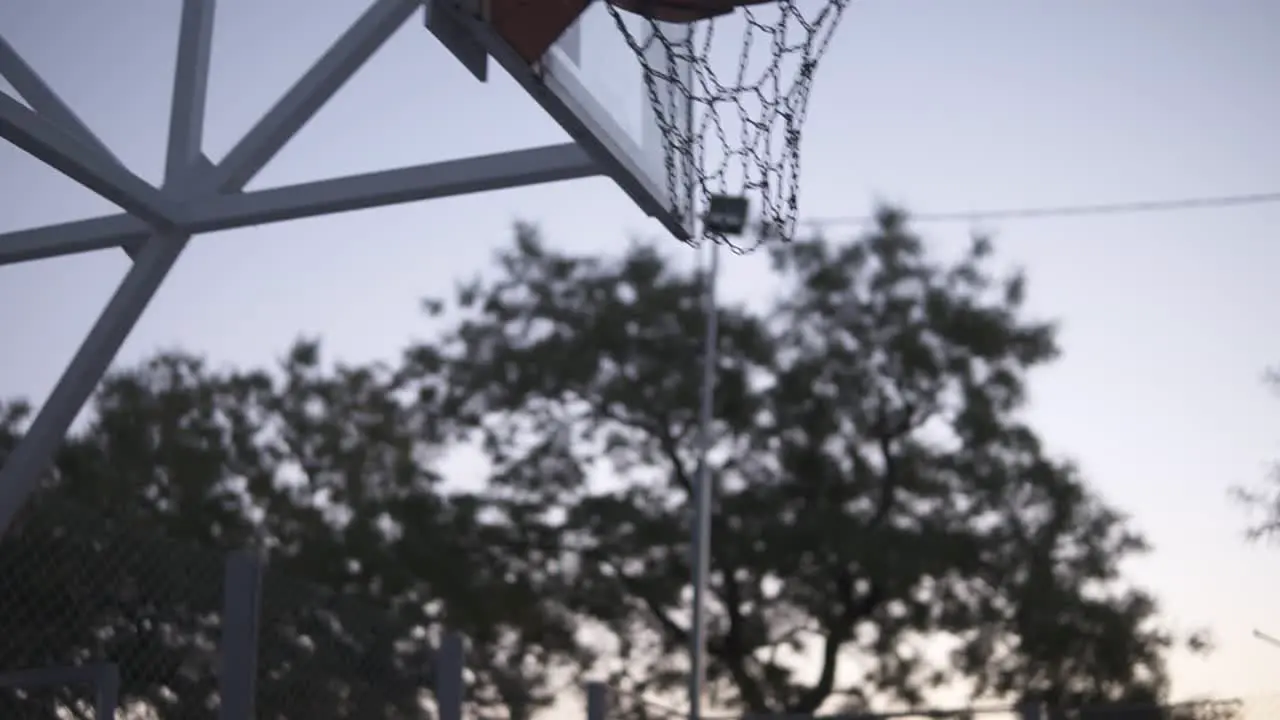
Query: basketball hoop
[
  {"x": 682, "y": 11},
  {"x": 732, "y": 123},
  {"x": 725, "y": 84}
]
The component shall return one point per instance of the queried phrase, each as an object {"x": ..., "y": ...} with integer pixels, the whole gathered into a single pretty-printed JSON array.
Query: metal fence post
[
  {"x": 597, "y": 701},
  {"x": 241, "y": 602},
  {"x": 450, "y": 663},
  {"x": 1031, "y": 711},
  {"x": 106, "y": 697}
]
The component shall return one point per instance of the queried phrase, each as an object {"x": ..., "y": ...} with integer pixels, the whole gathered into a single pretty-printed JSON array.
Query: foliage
[
  {"x": 877, "y": 496},
  {"x": 875, "y": 486},
  {"x": 1263, "y": 501},
  {"x": 330, "y": 470}
]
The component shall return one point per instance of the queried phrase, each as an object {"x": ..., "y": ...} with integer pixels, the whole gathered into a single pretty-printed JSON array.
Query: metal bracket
[{"x": 441, "y": 18}]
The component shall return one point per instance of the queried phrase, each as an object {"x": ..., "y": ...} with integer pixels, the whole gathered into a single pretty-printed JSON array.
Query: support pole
[
  {"x": 597, "y": 701},
  {"x": 50, "y": 106},
  {"x": 47, "y": 103},
  {"x": 1030, "y": 711},
  {"x": 184, "y": 154},
  {"x": 210, "y": 213},
  {"x": 21, "y": 472},
  {"x": 701, "y": 531},
  {"x": 241, "y": 611},
  {"x": 106, "y": 696},
  {"x": 700, "y": 550},
  {"x": 76, "y": 236},
  {"x": 63, "y": 152},
  {"x": 347, "y": 55},
  {"x": 449, "y": 671}
]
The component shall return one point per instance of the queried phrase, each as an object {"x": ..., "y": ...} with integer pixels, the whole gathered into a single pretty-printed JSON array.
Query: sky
[{"x": 1168, "y": 320}]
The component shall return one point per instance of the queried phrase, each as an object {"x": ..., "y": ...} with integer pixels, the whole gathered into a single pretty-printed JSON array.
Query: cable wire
[{"x": 1060, "y": 211}]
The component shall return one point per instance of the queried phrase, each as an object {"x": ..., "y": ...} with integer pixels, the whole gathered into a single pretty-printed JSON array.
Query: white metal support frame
[{"x": 198, "y": 196}]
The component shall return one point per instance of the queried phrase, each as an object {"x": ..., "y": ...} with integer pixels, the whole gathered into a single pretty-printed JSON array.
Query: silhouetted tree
[
  {"x": 330, "y": 471},
  {"x": 876, "y": 486},
  {"x": 1263, "y": 500},
  {"x": 876, "y": 490}
]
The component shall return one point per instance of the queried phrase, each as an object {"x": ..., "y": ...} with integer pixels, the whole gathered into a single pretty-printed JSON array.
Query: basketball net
[{"x": 730, "y": 95}]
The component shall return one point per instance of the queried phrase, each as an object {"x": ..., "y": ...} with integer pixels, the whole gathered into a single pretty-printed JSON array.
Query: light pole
[{"x": 725, "y": 216}]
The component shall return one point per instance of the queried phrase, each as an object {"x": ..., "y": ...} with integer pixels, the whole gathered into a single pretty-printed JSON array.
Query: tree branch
[
  {"x": 671, "y": 449},
  {"x": 840, "y": 628},
  {"x": 840, "y": 631},
  {"x": 733, "y": 654},
  {"x": 671, "y": 627}
]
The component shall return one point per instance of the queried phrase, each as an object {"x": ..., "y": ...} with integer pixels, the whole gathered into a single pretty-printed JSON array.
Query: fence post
[
  {"x": 597, "y": 701},
  {"x": 450, "y": 664},
  {"x": 241, "y": 603},
  {"x": 106, "y": 696},
  {"x": 1031, "y": 711}
]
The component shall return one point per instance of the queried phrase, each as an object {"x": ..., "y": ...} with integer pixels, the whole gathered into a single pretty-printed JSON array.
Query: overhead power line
[
  {"x": 1062, "y": 211},
  {"x": 1264, "y": 637}
]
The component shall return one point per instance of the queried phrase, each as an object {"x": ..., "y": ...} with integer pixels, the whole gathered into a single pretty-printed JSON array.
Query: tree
[
  {"x": 876, "y": 491},
  {"x": 330, "y": 470},
  {"x": 1263, "y": 500},
  {"x": 876, "y": 487}
]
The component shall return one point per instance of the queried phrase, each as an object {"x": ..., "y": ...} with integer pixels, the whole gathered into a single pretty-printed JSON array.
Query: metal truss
[{"x": 200, "y": 196}]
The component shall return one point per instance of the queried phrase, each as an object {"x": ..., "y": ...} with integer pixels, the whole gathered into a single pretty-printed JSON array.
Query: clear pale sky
[{"x": 1168, "y": 320}]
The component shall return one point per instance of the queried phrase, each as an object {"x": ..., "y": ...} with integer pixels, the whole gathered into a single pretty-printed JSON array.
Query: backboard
[{"x": 588, "y": 80}]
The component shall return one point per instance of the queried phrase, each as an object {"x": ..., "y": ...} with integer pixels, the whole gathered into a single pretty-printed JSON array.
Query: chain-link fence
[
  {"x": 1249, "y": 708},
  {"x": 87, "y": 692},
  {"x": 79, "y": 590},
  {"x": 103, "y": 620},
  {"x": 1257, "y": 708},
  {"x": 324, "y": 655}
]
